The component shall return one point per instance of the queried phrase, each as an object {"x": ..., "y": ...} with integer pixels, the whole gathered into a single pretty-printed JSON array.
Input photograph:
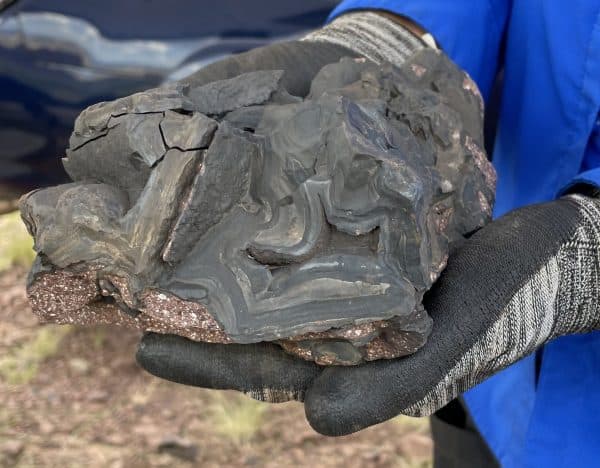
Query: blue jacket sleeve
[
  {"x": 591, "y": 178},
  {"x": 469, "y": 31},
  {"x": 590, "y": 169}
]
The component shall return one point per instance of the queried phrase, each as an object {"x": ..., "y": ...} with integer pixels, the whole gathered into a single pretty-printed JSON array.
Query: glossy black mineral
[{"x": 236, "y": 212}]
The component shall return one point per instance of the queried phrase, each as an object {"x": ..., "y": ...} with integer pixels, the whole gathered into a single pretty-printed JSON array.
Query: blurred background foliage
[{"x": 16, "y": 245}]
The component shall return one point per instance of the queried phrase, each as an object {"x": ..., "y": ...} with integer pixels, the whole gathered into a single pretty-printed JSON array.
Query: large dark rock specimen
[{"x": 235, "y": 212}]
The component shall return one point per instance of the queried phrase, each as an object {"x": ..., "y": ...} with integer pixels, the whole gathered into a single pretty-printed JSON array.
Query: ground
[{"x": 73, "y": 397}]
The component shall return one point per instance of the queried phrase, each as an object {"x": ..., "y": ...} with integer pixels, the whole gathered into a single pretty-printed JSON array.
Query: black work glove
[
  {"x": 349, "y": 36},
  {"x": 519, "y": 282}
]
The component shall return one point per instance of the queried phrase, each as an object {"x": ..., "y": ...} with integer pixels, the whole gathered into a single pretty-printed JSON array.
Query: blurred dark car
[{"x": 59, "y": 56}]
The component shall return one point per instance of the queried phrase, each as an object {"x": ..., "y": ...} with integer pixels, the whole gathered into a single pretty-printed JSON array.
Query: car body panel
[{"x": 59, "y": 56}]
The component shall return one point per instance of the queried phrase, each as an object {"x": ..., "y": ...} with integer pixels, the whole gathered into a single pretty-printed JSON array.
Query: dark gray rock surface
[{"x": 235, "y": 212}]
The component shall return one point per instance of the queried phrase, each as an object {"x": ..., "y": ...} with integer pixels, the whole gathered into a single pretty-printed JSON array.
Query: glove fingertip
[
  {"x": 334, "y": 407},
  {"x": 263, "y": 370},
  {"x": 151, "y": 355}
]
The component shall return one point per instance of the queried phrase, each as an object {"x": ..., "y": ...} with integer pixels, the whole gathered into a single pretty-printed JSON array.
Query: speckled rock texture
[{"x": 236, "y": 212}]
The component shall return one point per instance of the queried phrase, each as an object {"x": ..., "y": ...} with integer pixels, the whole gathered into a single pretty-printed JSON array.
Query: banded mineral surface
[{"x": 236, "y": 212}]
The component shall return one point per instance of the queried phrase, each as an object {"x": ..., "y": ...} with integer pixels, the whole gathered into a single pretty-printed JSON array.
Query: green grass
[
  {"x": 16, "y": 245},
  {"x": 235, "y": 416},
  {"x": 99, "y": 338},
  {"x": 420, "y": 425},
  {"x": 20, "y": 365}
]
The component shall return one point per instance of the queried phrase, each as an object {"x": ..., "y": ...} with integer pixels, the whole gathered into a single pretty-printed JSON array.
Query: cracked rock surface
[{"x": 236, "y": 212}]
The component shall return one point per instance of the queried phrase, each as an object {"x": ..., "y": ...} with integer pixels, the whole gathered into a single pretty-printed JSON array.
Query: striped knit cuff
[
  {"x": 372, "y": 36},
  {"x": 577, "y": 307}
]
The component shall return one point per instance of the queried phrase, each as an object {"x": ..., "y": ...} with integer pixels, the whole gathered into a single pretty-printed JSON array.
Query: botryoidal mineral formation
[{"x": 234, "y": 212}]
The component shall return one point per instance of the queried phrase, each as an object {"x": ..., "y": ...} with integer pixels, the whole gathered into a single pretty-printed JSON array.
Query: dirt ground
[{"x": 75, "y": 397}]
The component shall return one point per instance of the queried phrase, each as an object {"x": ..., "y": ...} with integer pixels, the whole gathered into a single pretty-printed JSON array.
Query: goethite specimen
[{"x": 235, "y": 212}]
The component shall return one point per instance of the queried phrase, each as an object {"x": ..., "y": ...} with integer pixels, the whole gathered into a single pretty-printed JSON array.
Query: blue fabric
[{"x": 548, "y": 139}]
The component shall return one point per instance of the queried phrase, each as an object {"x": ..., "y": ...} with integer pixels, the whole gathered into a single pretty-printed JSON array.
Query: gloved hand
[
  {"x": 522, "y": 280},
  {"x": 376, "y": 36}
]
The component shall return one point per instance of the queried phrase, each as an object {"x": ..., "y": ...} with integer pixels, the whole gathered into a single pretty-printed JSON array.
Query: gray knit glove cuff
[
  {"x": 372, "y": 36},
  {"x": 552, "y": 252},
  {"x": 576, "y": 308}
]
